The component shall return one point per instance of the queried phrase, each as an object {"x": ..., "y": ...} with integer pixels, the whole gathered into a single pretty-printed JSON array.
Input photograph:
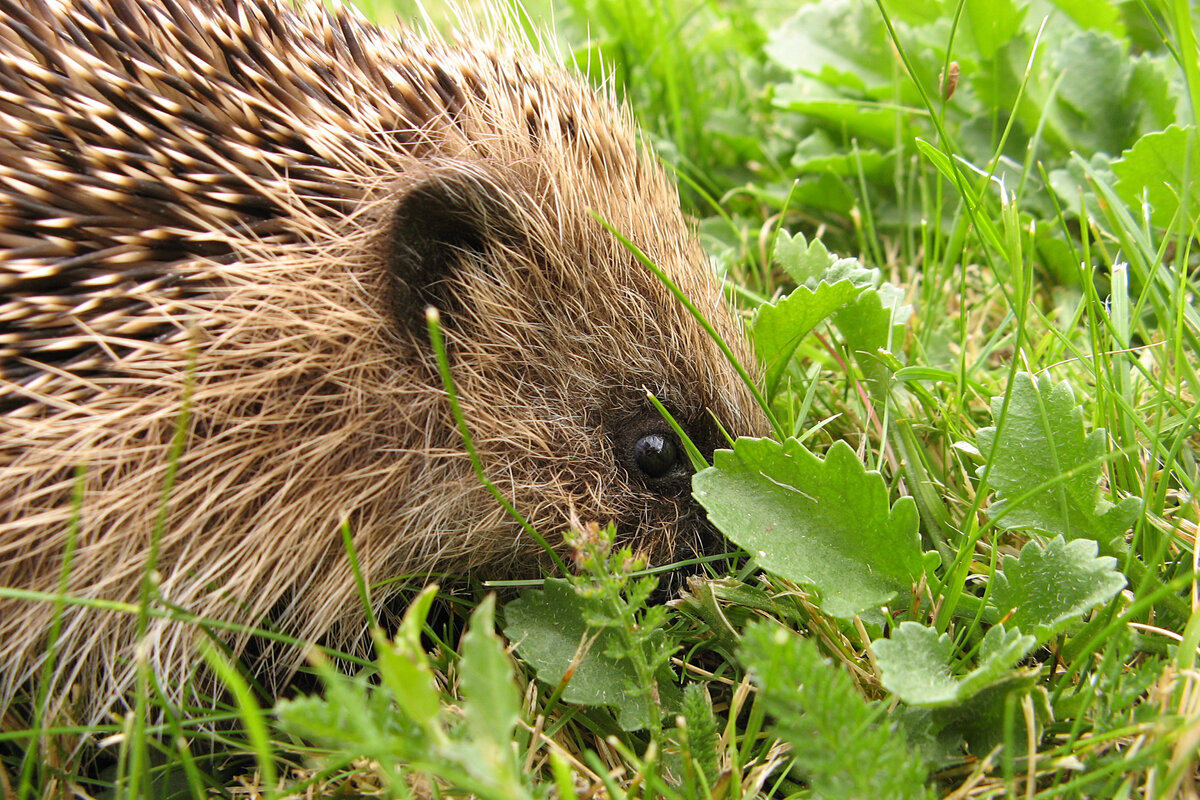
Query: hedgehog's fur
[{"x": 250, "y": 206}]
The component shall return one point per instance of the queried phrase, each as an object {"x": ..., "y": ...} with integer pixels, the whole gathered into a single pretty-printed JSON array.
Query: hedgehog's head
[{"x": 556, "y": 332}]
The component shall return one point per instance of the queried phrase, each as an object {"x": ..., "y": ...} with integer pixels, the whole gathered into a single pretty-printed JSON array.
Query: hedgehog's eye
[
  {"x": 650, "y": 454},
  {"x": 655, "y": 454}
]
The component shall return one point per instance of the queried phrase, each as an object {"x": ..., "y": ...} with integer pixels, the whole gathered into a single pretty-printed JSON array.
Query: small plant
[
  {"x": 594, "y": 636},
  {"x": 398, "y": 718}
]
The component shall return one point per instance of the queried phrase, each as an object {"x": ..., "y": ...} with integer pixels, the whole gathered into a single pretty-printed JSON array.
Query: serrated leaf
[
  {"x": 859, "y": 119},
  {"x": 1071, "y": 183},
  {"x": 1093, "y": 88},
  {"x": 547, "y": 628},
  {"x": 1150, "y": 87},
  {"x": 811, "y": 264},
  {"x": 1100, "y": 15},
  {"x": 838, "y": 739},
  {"x": 778, "y": 329},
  {"x": 1045, "y": 588},
  {"x": 1155, "y": 174},
  {"x": 818, "y": 152},
  {"x": 1041, "y": 440},
  {"x": 823, "y": 523},
  {"x": 356, "y": 719},
  {"x": 825, "y": 284},
  {"x": 915, "y": 664},
  {"x": 339, "y": 720},
  {"x": 823, "y": 192}
]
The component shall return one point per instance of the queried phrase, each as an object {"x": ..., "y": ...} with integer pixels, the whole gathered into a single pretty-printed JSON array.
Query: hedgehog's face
[{"x": 556, "y": 333}]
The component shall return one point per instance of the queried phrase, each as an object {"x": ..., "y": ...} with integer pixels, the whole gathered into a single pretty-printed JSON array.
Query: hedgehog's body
[{"x": 244, "y": 209}]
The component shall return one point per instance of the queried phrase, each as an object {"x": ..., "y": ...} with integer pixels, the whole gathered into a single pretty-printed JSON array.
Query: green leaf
[
  {"x": 1101, "y": 15},
  {"x": 358, "y": 720},
  {"x": 1047, "y": 587},
  {"x": 1071, "y": 183},
  {"x": 835, "y": 40},
  {"x": 993, "y": 23},
  {"x": 874, "y": 322},
  {"x": 825, "y": 284},
  {"x": 549, "y": 626},
  {"x": 825, "y": 191},
  {"x": 915, "y": 663},
  {"x": 703, "y": 735},
  {"x": 404, "y": 666},
  {"x": 492, "y": 703},
  {"x": 981, "y": 720},
  {"x": 725, "y": 606},
  {"x": 917, "y": 12},
  {"x": 1040, "y": 441},
  {"x": 811, "y": 264},
  {"x": 838, "y": 740},
  {"x": 824, "y": 523},
  {"x": 1157, "y": 173},
  {"x": 844, "y": 65},
  {"x": 856, "y": 117},
  {"x": 1093, "y": 103},
  {"x": 1151, "y": 92},
  {"x": 351, "y": 718},
  {"x": 818, "y": 152},
  {"x": 778, "y": 329},
  {"x": 868, "y": 318}
]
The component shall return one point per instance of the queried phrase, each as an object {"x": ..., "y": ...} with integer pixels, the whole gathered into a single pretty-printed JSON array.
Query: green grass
[{"x": 997, "y": 420}]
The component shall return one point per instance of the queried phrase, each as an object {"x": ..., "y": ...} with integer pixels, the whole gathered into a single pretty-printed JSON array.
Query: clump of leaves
[
  {"x": 960, "y": 683},
  {"x": 397, "y": 716},
  {"x": 592, "y": 639},
  {"x": 954, "y": 692}
]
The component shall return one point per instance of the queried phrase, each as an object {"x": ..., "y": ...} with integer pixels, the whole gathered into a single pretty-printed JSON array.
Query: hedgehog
[{"x": 221, "y": 224}]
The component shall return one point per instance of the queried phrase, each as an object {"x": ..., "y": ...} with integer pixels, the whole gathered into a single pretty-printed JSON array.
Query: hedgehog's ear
[{"x": 443, "y": 224}]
